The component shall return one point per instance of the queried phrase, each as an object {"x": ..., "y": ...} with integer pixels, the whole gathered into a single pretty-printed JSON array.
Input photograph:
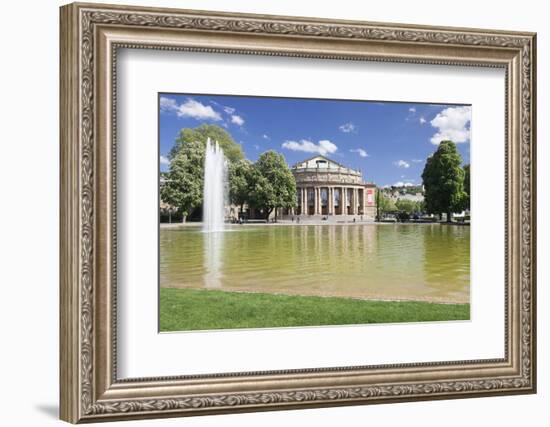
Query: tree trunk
[
  {"x": 184, "y": 218},
  {"x": 449, "y": 217},
  {"x": 267, "y": 213}
]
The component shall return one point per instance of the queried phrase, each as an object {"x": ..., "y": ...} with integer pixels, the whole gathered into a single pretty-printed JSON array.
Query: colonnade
[{"x": 340, "y": 200}]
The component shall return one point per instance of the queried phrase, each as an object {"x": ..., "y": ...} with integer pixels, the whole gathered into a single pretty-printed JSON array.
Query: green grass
[{"x": 189, "y": 309}]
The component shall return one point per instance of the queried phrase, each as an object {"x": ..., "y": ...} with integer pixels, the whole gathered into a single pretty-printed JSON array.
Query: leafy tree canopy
[
  {"x": 407, "y": 206},
  {"x": 467, "y": 184},
  {"x": 232, "y": 150},
  {"x": 240, "y": 182},
  {"x": 183, "y": 187},
  {"x": 443, "y": 179},
  {"x": 273, "y": 183},
  {"x": 184, "y": 180},
  {"x": 384, "y": 203}
]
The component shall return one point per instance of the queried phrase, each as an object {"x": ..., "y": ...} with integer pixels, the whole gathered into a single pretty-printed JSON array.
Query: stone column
[
  {"x": 344, "y": 201},
  {"x": 330, "y": 201},
  {"x": 317, "y": 201},
  {"x": 355, "y": 201},
  {"x": 316, "y": 204},
  {"x": 303, "y": 205}
]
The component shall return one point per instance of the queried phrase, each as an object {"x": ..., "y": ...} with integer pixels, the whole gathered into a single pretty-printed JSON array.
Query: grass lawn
[{"x": 190, "y": 309}]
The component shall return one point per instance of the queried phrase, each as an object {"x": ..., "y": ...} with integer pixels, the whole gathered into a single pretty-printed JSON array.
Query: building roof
[
  {"x": 327, "y": 169},
  {"x": 304, "y": 163}
]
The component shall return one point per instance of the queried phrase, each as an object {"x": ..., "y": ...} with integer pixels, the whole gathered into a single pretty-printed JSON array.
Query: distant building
[
  {"x": 414, "y": 194},
  {"x": 417, "y": 197},
  {"x": 327, "y": 188}
]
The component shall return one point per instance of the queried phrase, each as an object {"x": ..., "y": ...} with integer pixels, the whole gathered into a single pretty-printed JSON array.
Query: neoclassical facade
[{"x": 327, "y": 188}]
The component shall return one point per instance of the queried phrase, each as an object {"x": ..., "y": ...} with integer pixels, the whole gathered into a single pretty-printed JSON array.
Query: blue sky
[{"x": 388, "y": 141}]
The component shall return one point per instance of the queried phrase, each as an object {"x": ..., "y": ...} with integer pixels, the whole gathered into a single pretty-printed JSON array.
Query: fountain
[
  {"x": 213, "y": 211},
  {"x": 215, "y": 188}
]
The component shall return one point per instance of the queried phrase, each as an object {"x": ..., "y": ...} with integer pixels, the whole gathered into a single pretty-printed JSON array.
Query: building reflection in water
[{"x": 380, "y": 261}]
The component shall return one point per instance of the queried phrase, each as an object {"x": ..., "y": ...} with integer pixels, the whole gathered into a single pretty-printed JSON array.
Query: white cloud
[
  {"x": 348, "y": 127},
  {"x": 164, "y": 160},
  {"x": 190, "y": 108},
  {"x": 402, "y": 164},
  {"x": 265, "y": 136},
  {"x": 238, "y": 120},
  {"x": 453, "y": 124},
  {"x": 403, "y": 184},
  {"x": 229, "y": 110},
  {"x": 198, "y": 111},
  {"x": 256, "y": 146},
  {"x": 168, "y": 104},
  {"x": 422, "y": 120},
  {"x": 412, "y": 110},
  {"x": 417, "y": 160},
  {"x": 323, "y": 147},
  {"x": 360, "y": 151}
]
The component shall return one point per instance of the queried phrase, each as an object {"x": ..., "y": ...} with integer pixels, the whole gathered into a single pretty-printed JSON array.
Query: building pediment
[{"x": 320, "y": 162}]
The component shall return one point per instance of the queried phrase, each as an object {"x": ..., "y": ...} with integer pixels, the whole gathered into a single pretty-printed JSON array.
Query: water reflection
[
  {"x": 212, "y": 259},
  {"x": 447, "y": 252},
  {"x": 422, "y": 262}
]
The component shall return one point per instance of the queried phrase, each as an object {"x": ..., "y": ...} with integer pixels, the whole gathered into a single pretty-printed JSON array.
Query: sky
[{"x": 388, "y": 141}]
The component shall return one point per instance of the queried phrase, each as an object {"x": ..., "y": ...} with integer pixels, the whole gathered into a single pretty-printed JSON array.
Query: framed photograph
[{"x": 266, "y": 212}]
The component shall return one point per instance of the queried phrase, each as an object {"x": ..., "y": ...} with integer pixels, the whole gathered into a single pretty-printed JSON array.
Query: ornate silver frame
[{"x": 90, "y": 36}]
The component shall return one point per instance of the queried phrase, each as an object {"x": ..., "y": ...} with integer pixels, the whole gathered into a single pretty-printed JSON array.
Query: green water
[{"x": 376, "y": 261}]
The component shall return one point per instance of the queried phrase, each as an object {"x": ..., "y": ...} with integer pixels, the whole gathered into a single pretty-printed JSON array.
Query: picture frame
[{"x": 91, "y": 35}]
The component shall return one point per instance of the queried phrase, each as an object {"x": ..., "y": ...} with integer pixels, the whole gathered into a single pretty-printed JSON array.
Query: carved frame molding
[{"x": 90, "y": 37}]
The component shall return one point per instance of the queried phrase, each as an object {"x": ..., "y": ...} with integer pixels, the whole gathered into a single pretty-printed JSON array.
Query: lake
[{"x": 426, "y": 262}]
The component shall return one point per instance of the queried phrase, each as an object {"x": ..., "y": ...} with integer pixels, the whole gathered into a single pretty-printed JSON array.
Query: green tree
[
  {"x": 420, "y": 206},
  {"x": 232, "y": 150},
  {"x": 183, "y": 187},
  {"x": 467, "y": 185},
  {"x": 240, "y": 182},
  {"x": 383, "y": 204},
  {"x": 443, "y": 179},
  {"x": 273, "y": 183},
  {"x": 405, "y": 205}
]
